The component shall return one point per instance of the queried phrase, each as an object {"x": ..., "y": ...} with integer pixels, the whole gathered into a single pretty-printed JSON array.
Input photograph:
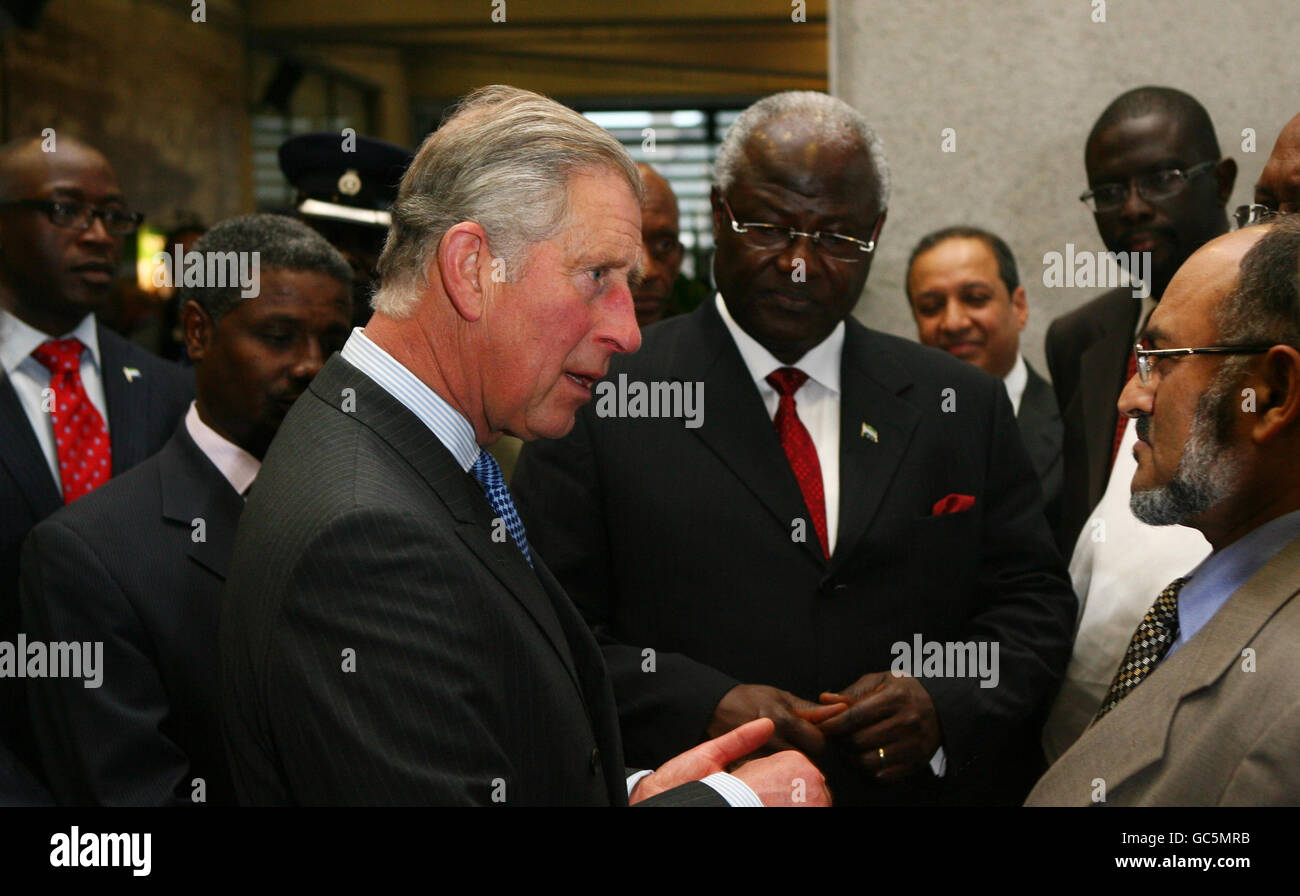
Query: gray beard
[{"x": 1209, "y": 470}]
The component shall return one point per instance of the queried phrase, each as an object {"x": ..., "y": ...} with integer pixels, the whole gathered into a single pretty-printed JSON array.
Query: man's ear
[
  {"x": 1225, "y": 174},
  {"x": 198, "y": 328},
  {"x": 463, "y": 266},
  {"x": 1277, "y": 402},
  {"x": 1020, "y": 307}
]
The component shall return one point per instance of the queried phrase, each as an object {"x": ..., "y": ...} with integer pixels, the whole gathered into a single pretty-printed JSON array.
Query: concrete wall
[{"x": 1021, "y": 82}]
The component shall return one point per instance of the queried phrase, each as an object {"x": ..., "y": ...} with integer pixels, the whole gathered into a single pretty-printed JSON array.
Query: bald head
[
  {"x": 661, "y": 248},
  {"x": 1279, "y": 184},
  {"x": 53, "y": 275}
]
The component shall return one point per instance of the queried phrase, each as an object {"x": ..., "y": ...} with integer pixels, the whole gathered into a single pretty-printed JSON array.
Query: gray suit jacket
[
  {"x": 1211, "y": 725},
  {"x": 379, "y": 645}
]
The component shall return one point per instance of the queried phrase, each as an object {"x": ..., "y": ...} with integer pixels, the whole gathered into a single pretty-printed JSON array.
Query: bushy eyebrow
[{"x": 635, "y": 276}]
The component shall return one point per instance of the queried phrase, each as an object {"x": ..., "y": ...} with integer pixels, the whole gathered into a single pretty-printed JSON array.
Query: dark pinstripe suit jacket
[{"x": 379, "y": 647}]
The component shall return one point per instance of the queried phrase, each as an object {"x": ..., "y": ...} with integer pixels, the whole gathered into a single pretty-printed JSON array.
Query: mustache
[{"x": 1143, "y": 425}]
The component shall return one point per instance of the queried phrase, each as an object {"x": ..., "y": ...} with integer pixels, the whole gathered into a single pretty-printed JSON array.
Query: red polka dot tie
[
  {"x": 80, "y": 436},
  {"x": 799, "y": 447}
]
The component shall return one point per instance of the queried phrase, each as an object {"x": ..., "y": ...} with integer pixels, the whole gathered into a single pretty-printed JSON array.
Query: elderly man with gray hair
[
  {"x": 850, "y": 541},
  {"x": 389, "y": 635}
]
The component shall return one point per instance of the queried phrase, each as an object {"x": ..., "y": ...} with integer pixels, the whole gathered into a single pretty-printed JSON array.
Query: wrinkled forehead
[{"x": 812, "y": 159}]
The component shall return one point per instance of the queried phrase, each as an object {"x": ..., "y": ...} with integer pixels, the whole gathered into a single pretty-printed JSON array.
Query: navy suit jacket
[
  {"x": 142, "y": 413},
  {"x": 126, "y": 565},
  {"x": 677, "y": 545},
  {"x": 380, "y": 646}
]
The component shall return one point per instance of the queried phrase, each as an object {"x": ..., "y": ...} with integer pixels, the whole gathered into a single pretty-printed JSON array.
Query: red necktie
[
  {"x": 1119, "y": 424},
  {"x": 799, "y": 447},
  {"x": 80, "y": 437}
]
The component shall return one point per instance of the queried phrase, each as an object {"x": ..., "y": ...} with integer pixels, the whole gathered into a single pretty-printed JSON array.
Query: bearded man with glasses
[
  {"x": 78, "y": 403},
  {"x": 1157, "y": 184},
  {"x": 847, "y": 492}
]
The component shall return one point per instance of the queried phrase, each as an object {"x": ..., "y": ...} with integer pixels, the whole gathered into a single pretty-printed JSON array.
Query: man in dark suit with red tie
[
  {"x": 845, "y": 500},
  {"x": 78, "y": 403}
]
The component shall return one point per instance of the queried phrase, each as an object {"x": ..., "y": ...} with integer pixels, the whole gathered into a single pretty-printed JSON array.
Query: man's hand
[
  {"x": 795, "y": 719},
  {"x": 886, "y": 713},
  {"x": 786, "y": 779}
]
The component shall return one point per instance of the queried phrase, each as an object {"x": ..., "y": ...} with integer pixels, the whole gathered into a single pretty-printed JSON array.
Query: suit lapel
[
  {"x": 22, "y": 455},
  {"x": 128, "y": 403},
  {"x": 872, "y": 381},
  {"x": 1134, "y": 734},
  {"x": 193, "y": 488},
  {"x": 736, "y": 425},
  {"x": 1101, "y": 377},
  {"x": 372, "y": 406}
]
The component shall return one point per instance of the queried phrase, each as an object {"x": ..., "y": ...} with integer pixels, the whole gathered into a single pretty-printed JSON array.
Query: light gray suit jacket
[{"x": 1215, "y": 724}]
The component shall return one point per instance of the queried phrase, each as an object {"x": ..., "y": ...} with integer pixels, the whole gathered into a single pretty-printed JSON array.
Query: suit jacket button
[{"x": 595, "y": 760}]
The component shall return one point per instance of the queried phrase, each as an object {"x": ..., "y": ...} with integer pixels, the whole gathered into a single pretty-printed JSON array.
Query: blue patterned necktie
[{"x": 489, "y": 476}]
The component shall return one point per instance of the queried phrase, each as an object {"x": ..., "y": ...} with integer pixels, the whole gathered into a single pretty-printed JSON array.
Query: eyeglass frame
[
  {"x": 1145, "y": 363},
  {"x": 866, "y": 247},
  {"x": 1255, "y": 213},
  {"x": 1089, "y": 195},
  {"x": 86, "y": 211}
]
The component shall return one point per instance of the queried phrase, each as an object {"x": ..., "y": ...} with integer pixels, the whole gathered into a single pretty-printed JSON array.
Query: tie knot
[
  {"x": 59, "y": 355},
  {"x": 787, "y": 380},
  {"x": 487, "y": 471}
]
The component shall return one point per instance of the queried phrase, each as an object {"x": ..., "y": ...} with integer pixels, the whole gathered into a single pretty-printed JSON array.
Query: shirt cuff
[
  {"x": 735, "y": 791},
  {"x": 634, "y": 779}
]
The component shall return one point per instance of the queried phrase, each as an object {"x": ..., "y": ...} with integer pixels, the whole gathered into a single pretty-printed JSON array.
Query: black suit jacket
[
  {"x": 123, "y": 566},
  {"x": 1087, "y": 356},
  {"x": 679, "y": 541},
  {"x": 1040, "y": 426},
  {"x": 379, "y": 646},
  {"x": 142, "y": 413}
]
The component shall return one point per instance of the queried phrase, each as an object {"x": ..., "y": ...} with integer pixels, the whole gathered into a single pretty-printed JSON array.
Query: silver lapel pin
[
  {"x": 869, "y": 432},
  {"x": 130, "y": 373}
]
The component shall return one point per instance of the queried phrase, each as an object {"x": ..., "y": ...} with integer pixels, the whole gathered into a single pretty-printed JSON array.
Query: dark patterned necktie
[
  {"x": 799, "y": 448},
  {"x": 1154, "y": 636},
  {"x": 489, "y": 476}
]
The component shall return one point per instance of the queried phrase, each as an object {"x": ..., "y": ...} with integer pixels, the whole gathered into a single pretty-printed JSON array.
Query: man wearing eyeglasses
[
  {"x": 78, "y": 404},
  {"x": 1158, "y": 185},
  {"x": 1204, "y": 708},
  {"x": 1278, "y": 188},
  {"x": 846, "y": 495}
]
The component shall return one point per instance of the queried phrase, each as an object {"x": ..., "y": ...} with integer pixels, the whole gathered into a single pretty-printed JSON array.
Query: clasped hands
[{"x": 888, "y": 723}]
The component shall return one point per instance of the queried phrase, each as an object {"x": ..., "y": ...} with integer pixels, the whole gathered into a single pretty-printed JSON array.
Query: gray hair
[
  {"x": 1265, "y": 305},
  {"x": 504, "y": 160},
  {"x": 281, "y": 242},
  {"x": 835, "y": 119}
]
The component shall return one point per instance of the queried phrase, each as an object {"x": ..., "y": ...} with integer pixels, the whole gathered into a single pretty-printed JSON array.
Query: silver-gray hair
[
  {"x": 835, "y": 119},
  {"x": 504, "y": 160}
]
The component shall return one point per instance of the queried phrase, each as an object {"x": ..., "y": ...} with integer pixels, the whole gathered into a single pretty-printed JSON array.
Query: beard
[{"x": 1209, "y": 470}]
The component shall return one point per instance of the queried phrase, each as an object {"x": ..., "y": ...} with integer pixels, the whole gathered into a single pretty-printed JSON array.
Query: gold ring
[{"x": 881, "y": 751}]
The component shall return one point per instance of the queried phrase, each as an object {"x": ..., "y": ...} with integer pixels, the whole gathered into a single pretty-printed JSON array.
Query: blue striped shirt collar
[{"x": 444, "y": 421}]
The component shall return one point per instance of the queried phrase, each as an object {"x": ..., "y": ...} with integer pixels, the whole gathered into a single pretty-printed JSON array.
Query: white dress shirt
[
  {"x": 238, "y": 466},
  {"x": 30, "y": 377},
  {"x": 817, "y": 402},
  {"x": 1015, "y": 381}
]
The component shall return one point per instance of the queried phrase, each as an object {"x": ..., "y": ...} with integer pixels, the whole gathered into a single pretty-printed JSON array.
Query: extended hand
[
  {"x": 786, "y": 779},
  {"x": 886, "y": 713},
  {"x": 796, "y": 719}
]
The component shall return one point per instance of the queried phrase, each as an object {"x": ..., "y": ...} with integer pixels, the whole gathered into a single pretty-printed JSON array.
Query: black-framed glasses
[
  {"x": 1246, "y": 215},
  {"x": 1147, "y": 357},
  {"x": 1152, "y": 186},
  {"x": 80, "y": 215},
  {"x": 774, "y": 237}
]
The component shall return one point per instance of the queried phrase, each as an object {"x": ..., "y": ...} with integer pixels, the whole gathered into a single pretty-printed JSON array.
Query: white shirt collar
[
  {"x": 19, "y": 339},
  {"x": 821, "y": 362},
  {"x": 238, "y": 466},
  {"x": 1016, "y": 380}
]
